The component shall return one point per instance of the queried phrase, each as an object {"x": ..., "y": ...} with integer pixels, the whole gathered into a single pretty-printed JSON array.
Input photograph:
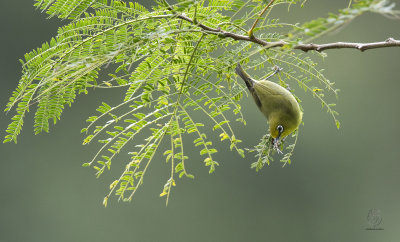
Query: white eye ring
[{"x": 280, "y": 128}]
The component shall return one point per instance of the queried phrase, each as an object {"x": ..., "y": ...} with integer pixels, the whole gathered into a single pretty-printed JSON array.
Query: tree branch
[{"x": 390, "y": 42}]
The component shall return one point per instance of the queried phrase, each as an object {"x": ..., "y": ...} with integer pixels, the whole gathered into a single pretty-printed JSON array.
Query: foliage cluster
[{"x": 169, "y": 69}]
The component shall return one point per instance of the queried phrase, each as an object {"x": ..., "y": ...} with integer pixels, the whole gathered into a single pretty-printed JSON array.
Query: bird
[{"x": 277, "y": 103}]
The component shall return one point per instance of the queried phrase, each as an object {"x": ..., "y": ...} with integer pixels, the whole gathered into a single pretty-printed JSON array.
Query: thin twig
[{"x": 258, "y": 18}]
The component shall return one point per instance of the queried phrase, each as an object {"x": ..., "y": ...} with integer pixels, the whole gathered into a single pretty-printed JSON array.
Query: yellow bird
[{"x": 277, "y": 104}]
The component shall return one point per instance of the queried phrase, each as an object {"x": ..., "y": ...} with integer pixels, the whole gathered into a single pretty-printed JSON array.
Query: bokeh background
[{"x": 336, "y": 176}]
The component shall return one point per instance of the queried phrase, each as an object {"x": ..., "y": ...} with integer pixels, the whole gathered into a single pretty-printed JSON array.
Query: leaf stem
[{"x": 250, "y": 32}]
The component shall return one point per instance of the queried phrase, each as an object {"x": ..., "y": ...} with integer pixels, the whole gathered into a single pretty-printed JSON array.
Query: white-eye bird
[{"x": 277, "y": 104}]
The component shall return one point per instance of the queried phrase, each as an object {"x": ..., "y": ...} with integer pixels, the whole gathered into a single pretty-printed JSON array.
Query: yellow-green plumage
[{"x": 277, "y": 104}]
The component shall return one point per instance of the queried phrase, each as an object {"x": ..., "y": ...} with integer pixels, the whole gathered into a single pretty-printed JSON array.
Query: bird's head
[
  {"x": 277, "y": 132},
  {"x": 282, "y": 126}
]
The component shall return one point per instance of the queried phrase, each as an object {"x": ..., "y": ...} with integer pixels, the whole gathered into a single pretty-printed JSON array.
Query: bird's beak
[
  {"x": 276, "y": 143},
  {"x": 277, "y": 139}
]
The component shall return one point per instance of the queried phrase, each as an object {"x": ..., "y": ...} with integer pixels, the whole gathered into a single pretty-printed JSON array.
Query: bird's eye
[{"x": 280, "y": 128}]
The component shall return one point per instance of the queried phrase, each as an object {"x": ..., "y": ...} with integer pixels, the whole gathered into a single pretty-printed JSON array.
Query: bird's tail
[
  {"x": 246, "y": 78},
  {"x": 249, "y": 83}
]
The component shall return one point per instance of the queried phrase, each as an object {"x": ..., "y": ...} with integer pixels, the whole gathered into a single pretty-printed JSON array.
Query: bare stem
[
  {"x": 390, "y": 42},
  {"x": 258, "y": 18}
]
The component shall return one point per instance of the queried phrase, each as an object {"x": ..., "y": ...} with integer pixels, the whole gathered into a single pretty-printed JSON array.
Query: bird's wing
[
  {"x": 270, "y": 88},
  {"x": 273, "y": 95}
]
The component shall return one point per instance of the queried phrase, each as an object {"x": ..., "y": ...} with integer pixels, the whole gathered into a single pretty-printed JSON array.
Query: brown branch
[
  {"x": 259, "y": 16},
  {"x": 390, "y": 42}
]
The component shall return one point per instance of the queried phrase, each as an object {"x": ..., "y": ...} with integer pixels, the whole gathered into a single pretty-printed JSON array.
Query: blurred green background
[{"x": 336, "y": 176}]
